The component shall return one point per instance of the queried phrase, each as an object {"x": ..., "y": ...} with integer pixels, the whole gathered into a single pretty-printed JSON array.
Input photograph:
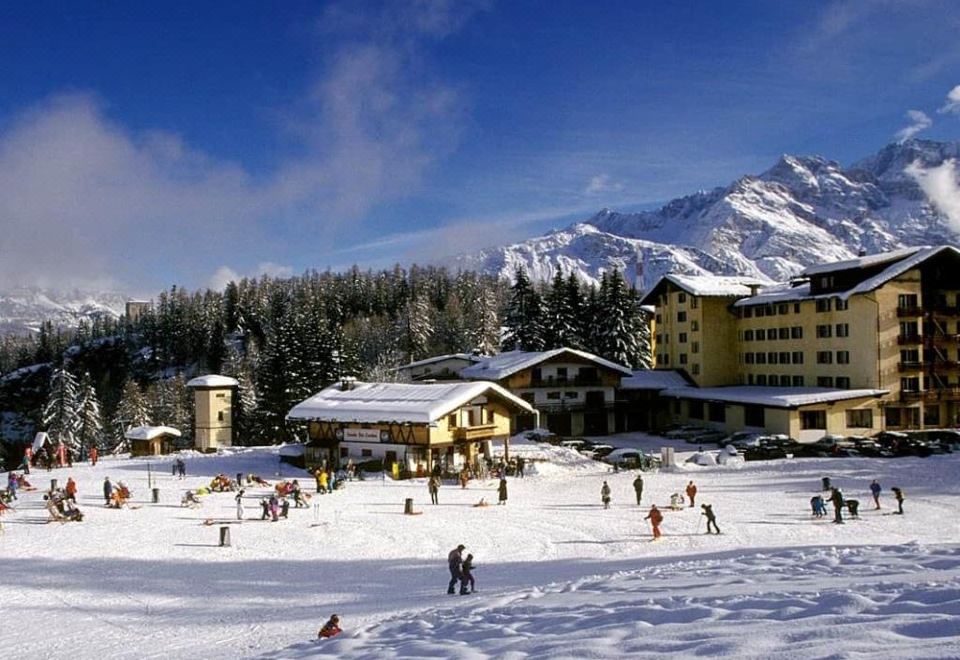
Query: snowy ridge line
[{"x": 738, "y": 605}]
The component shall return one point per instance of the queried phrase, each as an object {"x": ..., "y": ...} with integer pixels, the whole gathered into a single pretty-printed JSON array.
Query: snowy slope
[
  {"x": 25, "y": 309},
  {"x": 557, "y": 575},
  {"x": 802, "y": 211}
]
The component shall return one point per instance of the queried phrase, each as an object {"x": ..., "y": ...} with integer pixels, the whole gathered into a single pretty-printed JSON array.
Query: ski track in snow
[{"x": 558, "y": 575}]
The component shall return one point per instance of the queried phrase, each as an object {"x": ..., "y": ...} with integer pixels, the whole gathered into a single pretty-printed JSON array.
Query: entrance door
[{"x": 559, "y": 423}]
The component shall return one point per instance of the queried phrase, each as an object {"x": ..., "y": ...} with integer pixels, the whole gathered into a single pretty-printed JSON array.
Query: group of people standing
[{"x": 840, "y": 502}]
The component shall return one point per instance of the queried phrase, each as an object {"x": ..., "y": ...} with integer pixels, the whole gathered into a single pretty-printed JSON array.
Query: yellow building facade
[
  {"x": 213, "y": 411},
  {"x": 886, "y": 322}
]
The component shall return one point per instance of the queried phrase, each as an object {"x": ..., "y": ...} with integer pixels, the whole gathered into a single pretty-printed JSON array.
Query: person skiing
[
  {"x": 12, "y": 485},
  {"x": 818, "y": 506},
  {"x": 711, "y": 517},
  {"x": 107, "y": 490},
  {"x": 638, "y": 488},
  {"x": 467, "y": 570},
  {"x": 875, "y": 491},
  {"x": 94, "y": 455},
  {"x": 836, "y": 497},
  {"x": 331, "y": 628},
  {"x": 71, "y": 490},
  {"x": 433, "y": 485},
  {"x": 898, "y": 494},
  {"x": 455, "y": 564},
  {"x": 691, "y": 493},
  {"x": 605, "y": 495},
  {"x": 502, "y": 491},
  {"x": 655, "y": 518}
]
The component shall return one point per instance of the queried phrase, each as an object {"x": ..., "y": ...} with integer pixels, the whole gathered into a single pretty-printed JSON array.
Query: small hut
[{"x": 151, "y": 440}]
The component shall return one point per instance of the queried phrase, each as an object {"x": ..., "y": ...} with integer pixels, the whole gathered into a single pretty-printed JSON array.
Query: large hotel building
[{"x": 852, "y": 347}]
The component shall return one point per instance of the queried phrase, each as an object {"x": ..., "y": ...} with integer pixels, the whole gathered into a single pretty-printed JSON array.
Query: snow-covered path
[{"x": 151, "y": 582}]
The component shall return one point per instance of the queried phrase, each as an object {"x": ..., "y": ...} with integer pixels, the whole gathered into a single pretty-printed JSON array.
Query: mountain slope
[
  {"x": 25, "y": 309},
  {"x": 802, "y": 211}
]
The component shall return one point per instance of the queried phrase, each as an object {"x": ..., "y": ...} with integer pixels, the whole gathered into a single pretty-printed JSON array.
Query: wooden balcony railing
[{"x": 474, "y": 433}]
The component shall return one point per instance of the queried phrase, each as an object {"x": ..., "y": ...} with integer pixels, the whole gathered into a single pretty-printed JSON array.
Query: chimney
[
  {"x": 347, "y": 383},
  {"x": 861, "y": 252}
]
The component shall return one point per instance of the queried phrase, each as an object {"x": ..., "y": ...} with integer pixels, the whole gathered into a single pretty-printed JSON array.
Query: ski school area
[{"x": 557, "y": 574}]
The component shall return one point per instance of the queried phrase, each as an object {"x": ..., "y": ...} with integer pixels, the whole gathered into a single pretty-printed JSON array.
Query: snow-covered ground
[{"x": 557, "y": 575}]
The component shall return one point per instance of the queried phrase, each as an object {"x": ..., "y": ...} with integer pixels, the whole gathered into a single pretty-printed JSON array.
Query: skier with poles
[{"x": 711, "y": 518}]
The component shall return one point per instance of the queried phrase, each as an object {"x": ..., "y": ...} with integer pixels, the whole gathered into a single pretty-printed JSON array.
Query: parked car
[
  {"x": 708, "y": 437},
  {"x": 539, "y": 435},
  {"x": 764, "y": 452},
  {"x": 601, "y": 450},
  {"x": 684, "y": 432},
  {"x": 739, "y": 435},
  {"x": 627, "y": 458},
  {"x": 573, "y": 444}
]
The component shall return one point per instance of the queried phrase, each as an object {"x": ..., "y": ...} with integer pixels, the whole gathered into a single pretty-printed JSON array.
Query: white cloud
[
  {"x": 223, "y": 275},
  {"x": 942, "y": 188},
  {"x": 86, "y": 198},
  {"x": 952, "y": 105},
  {"x": 602, "y": 183},
  {"x": 919, "y": 121}
]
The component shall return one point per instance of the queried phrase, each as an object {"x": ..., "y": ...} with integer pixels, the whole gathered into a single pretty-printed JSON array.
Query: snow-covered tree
[
  {"x": 131, "y": 412},
  {"x": 90, "y": 419},
  {"x": 60, "y": 412},
  {"x": 524, "y": 321},
  {"x": 414, "y": 328}
]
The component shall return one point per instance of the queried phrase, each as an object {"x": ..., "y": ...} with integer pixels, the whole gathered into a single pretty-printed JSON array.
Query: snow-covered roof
[
  {"x": 469, "y": 357},
  {"x": 396, "y": 402},
  {"x": 498, "y": 367},
  {"x": 862, "y": 262},
  {"x": 772, "y": 397},
  {"x": 213, "y": 380},
  {"x": 724, "y": 286},
  {"x": 779, "y": 293},
  {"x": 899, "y": 268},
  {"x": 653, "y": 379},
  {"x": 150, "y": 432}
]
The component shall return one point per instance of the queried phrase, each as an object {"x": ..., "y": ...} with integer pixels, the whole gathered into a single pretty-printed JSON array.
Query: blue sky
[{"x": 147, "y": 144}]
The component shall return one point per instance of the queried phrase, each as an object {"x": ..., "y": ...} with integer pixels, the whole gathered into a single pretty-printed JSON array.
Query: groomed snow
[{"x": 557, "y": 575}]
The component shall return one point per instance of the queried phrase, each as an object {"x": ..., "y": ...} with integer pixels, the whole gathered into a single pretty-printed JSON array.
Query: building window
[
  {"x": 824, "y": 331},
  {"x": 717, "y": 412},
  {"x": 490, "y": 417},
  {"x": 784, "y": 357},
  {"x": 797, "y": 357},
  {"x": 761, "y": 334},
  {"x": 860, "y": 419},
  {"x": 561, "y": 373},
  {"x": 796, "y": 308},
  {"x": 695, "y": 369},
  {"x": 841, "y": 305},
  {"x": 748, "y": 358},
  {"x": 892, "y": 416},
  {"x": 553, "y": 396},
  {"x": 824, "y": 381},
  {"x": 682, "y": 338},
  {"x": 798, "y": 381},
  {"x": 657, "y": 318},
  {"x": 773, "y": 380},
  {"x": 823, "y": 304},
  {"x": 843, "y": 382},
  {"x": 761, "y": 358},
  {"x": 826, "y": 281},
  {"x": 843, "y": 357},
  {"x": 772, "y": 357},
  {"x": 909, "y": 329},
  {"x": 694, "y": 302},
  {"x": 695, "y": 409},
  {"x": 694, "y": 326},
  {"x": 452, "y": 421},
  {"x": 695, "y": 347},
  {"x": 783, "y": 333},
  {"x": 824, "y": 357},
  {"x": 910, "y": 384},
  {"x": 770, "y": 310},
  {"x": 682, "y": 297},
  {"x": 761, "y": 379},
  {"x": 569, "y": 395},
  {"x": 747, "y": 312},
  {"x": 659, "y": 339},
  {"x": 907, "y": 301},
  {"x": 749, "y": 379},
  {"x": 681, "y": 317},
  {"x": 748, "y": 335},
  {"x": 683, "y": 358},
  {"x": 843, "y": 329},
  {"x": 813, "y": 419},
  {"x": 759, "y": 311},
  {"x": 753, "y": 416},
  {"x": 910, "y": 356},
  {"x": 771, "y": 334},
  {"x": 796, "y": 332},
  {"x": 783, "y": 308}
]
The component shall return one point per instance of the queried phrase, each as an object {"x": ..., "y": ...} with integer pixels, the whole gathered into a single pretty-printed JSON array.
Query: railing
[
  {"x": 942, "y": 365},
  {"x": 942, "y": 337},
  {"x": 909, "y": 366},
  {"x": 566, "y": 382},
  {"x": 933, "y": 395},
  {"x": 471, "y": 433},
  {"x": 936, "y": 310},
  {"x": 909, "y": 311},
  {"x": 909, "y": 339},
  {"x": 908, "y": 395},
  {"x": 942, "y": 310}
]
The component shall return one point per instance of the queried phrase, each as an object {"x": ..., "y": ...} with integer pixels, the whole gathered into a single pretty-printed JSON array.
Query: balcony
[
  {"x": 942, "y": 365},
  {"x": 943, "y": 310},
  {"x": 909, "y": 312},
  {"x": 574, "y": 406},
  {"x": 906, "y": 340},
  {"x": 474, "y": 433},
  {"x": 942, "y": 394},
  {"x": 910, "y": 396},
  {"x": 910, "y": 366},
  {"x": 566, "y": 382},
  {"x": 941, "y": 338}
]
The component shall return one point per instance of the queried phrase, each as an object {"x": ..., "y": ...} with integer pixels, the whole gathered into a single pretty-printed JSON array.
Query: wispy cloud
[
  {"x": 942, "y": 187},
  {"x": 952, "y": 104},
  {"x": 224, "y": 274},
  {"x": 84, "y": 197},
  {"x": 602, "y": 183},
  {"x": 919, "y": 121}
]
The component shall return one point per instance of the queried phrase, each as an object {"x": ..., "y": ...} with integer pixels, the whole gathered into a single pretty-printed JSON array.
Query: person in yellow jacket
[{"x": 322, "y": 481}]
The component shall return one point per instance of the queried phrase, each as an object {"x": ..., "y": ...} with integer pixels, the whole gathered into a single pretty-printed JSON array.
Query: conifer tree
[
  {"x": 90, "y": 419},
  {"x": 131, "y": 412},
  {"x": 524, "y": 321},
  {"x": 60, "y": 412}
]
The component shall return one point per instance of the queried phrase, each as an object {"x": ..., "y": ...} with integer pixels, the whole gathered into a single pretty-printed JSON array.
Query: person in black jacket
[
  {"x": 836, "y": 497},
  {"x": 638, "y": 488},
  {"x": 711, "y": 517},
  {"x": 898, "y": 494},
  {"x": 467, "y": 570},
  {"x": 455, "y": 564}
]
